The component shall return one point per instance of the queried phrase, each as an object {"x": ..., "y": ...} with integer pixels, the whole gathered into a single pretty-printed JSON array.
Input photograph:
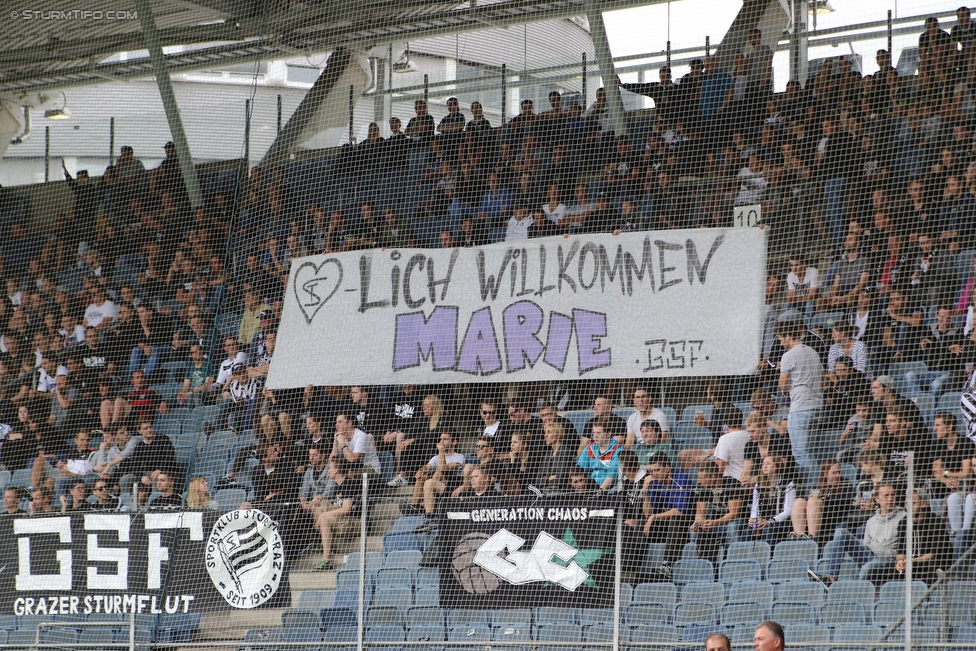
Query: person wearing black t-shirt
[
  {"x": 718, "y": 507},
  {"x": 519, "y": 420},
  {"x": 420, "y": 128},
  {"x": 11, "y": 502},
  {"x": 167, "y": 498},
  {"x": 931, "y": 550},
  {"x": 903, "y": 434},
  {"x": 952, "y": 464}
]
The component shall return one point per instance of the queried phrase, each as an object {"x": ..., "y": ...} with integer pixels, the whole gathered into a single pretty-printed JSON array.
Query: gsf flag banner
[
  {"x": 681, "y": 302},
  {"x": 526, "y": 552},
  {"x": 165, "y": 562}
]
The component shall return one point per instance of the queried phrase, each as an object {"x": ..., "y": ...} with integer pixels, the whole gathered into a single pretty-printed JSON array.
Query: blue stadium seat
[
  {"x": 397, "y": 597},
  {"x": 695, "y": 613},
  {"x": 749, "y": 551},
  {"x": 703, "y": 593},
  {"x": 546, "y": 616},
  {"x": 736, "y": 613},
  {"x": 462, "y": 617},
  {"x": 569, "y": 633},
  {"x": 427, "y": 595},
  {"x": 647, "y": 613},
  {"x": 655, "y": 593},
  {"x": 258, "y": 639},
  {"x": 521, "y": 617},
  {"x": 756, "y": 591},
  {"x": 383, "y": 616},
  {"x": 839, "y": 612},
  {"x": 805, "y": 549},
  {"x": 374, "y": 561},
  {"x": 409, "y": 558},
  {"x": 653, "y": 633},
  {"x": 394, "y": 577},
  {"x": 692, "y": 571},
  {"x": 789, "y": 612},
  {"x": 425, "y": 616},
  {"x": 594, "y": 616},
  {"x": 783, "y": 570},
  {"x": 698, "y": 633},
  {"x": 732, "y": 571},
  {"x": 800, "y": 591},
  {"x": 895, "y": 591},
  {"x": 426, "y": 634}
]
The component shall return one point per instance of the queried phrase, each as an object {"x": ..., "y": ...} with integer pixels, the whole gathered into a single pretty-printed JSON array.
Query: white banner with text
[{"x": 659, "y": 303}]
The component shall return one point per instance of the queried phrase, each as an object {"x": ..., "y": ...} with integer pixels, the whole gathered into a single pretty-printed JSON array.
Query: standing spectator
[
  {"x": 420, "y": 128},
  {"x": 559, "y": 458},
  {"x": 836, "y": 160},
  {"x": 800, "y": 373}
]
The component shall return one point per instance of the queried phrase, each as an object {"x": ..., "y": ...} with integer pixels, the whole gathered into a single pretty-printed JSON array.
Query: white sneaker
[{"x": 397, "y": 481}]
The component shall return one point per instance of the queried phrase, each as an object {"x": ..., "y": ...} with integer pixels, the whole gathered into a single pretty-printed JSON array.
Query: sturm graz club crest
[{"x": 245, "y": 557}]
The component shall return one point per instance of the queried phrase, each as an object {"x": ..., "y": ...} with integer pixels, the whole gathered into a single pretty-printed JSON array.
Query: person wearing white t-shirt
[
  {"x": 645, "y": 409},
  {"x": 518, "y": 224},
  {"x": 101, "y": 312},
  {"x": 802, "y": 284},
  {"x": 355, "y": 445},
  {"x": 730, "y": 450},
  {"x": 443, "y": 471}
]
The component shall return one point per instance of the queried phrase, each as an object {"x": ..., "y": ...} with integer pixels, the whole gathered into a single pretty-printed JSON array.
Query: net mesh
[{"x": 262, "y": 398}]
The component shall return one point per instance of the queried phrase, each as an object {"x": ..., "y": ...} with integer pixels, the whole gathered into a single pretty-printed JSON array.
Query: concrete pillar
[
  {"x": 148, "y": 24},
  {"x": 604, "y": 59}
]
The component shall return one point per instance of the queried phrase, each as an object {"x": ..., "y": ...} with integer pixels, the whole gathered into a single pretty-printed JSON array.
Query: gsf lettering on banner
[{"x": 682, "y": 302}]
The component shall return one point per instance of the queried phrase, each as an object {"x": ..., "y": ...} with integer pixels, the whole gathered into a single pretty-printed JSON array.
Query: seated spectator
[
  {"x": 857, "y": 430},
  {"x": 315, "y": 477},
  {"x": 651, "y": 434},
  {"x": 931, "y": 551},
  {"x": 197, "y": 379},
  {"x": 485, "y": 451},
  {"x": 762, "y": 444},
  {"x": 951, "y": 467},
  {"x": 395, "y": 232},
  {"x": 153, "y": 344},
  {"x": 944, "y": 345},
  {"x": 580, "y": 481},
  {"x": 518, "y": 224},
  {"x": 901, "y": 435},
  {"x": 340, "y": 509},
  {"x": 723, "y": 412},
  {"x": 354, "y": 445},
  {"x": 772, "y": 501},
  {"x": 76, "y": 498},
  {"x": 632, "y": 489},
  {"x": 845, "y": 345},
  {"x": 71, "y": 465},
  {"x": 482, "y": 481},
  {"x": 116, "y": 447},
  {"x": 150, "y": 457},
  {"x": 603, "y": 412},
  {"x": 139, "y": 404},
  {"x": 198, "y": 495},
  {"x": 645, "y": 409},
  {"x": 851, "y": 275},
  {"x": 11, "y": 502},
  {"x": 40, "y": 503},
  {"x": 600, "y": 458},
  {"x": 100, "y": 313},
  {"x": 728, "y": 453},
  {"x": 803, "y": 284},
  {"x": 718, "y": 508},
  {"x": 559, "y": 456},
  {"x": 817, "y": 516},
  {"x": 414, "y": 447},
  {"x": 520, "y": 463},
  {"x": 104, "y": 500},
  {"x": 667, "y": 507},
  {"x": 875, "y": 554},
  {"x": 168, "y": 498},
  {"x": 843, "y": 388},
  {"x": 442, "y": 474}
]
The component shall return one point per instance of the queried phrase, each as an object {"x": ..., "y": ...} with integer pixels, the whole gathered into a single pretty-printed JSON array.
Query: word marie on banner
[{"x": 682, "y": 302}]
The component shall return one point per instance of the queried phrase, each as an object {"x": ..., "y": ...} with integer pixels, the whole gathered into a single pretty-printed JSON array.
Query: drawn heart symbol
[{"x": 315, "y": 285}]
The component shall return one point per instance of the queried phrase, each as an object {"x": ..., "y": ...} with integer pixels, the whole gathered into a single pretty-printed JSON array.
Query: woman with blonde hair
[
  {"x": 772, "y": 501},
  {"x": 415, "y": 447},
  {"x": 198, "y": 495},
  {"x": 558, "y": 458}
]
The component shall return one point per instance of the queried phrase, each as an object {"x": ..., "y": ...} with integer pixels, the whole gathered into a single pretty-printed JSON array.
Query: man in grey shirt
[
  {"x": 115, "y": 448},
  {"x": 799, "y": 374},
  {"x": 315, "y": 480},
  {"x": 760, "y": 66}
]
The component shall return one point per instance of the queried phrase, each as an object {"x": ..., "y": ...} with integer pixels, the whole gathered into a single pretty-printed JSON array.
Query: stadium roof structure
[{"x": 48, "y": 48}]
